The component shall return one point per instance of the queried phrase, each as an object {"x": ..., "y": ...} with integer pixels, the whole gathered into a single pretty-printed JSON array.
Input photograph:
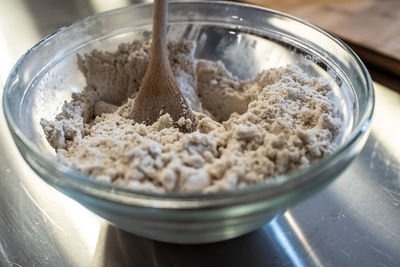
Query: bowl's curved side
[{"x": 193, "y": 226}]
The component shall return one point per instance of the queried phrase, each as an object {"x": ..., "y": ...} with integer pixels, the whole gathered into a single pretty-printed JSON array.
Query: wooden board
[{"x": 371, "y": 27}]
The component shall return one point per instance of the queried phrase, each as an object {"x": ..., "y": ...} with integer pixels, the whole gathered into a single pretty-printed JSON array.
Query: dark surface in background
[
  {"x": 53, "y": 14},
  {"x": 50, "y": 15},
  {"x": 383, "y": 77},
  {"x": 353, "y": 222}
]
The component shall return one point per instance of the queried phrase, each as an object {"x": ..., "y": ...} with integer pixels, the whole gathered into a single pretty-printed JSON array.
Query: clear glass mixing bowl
[{"x": 247, "y": 39}]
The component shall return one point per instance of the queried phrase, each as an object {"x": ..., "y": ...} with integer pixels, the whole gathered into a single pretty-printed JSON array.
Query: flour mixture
[{"x": 247, "y": 131}]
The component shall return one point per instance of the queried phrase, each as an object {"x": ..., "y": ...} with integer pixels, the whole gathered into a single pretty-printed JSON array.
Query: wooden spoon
[{"x": 159, "y": 92}]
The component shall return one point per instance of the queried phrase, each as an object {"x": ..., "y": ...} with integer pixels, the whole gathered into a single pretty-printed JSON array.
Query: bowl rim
[{"x": 278, "y": 186}]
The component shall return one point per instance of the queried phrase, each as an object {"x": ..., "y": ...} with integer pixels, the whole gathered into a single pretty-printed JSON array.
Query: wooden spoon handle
[{"x": 159, "y": 35}]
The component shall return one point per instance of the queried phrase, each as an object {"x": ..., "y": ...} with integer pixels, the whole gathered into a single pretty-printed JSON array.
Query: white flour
[{"x": 247, "y": 131}]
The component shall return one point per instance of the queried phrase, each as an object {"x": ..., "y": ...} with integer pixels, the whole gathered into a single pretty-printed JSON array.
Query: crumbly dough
[{"x": 247, "y": 131}]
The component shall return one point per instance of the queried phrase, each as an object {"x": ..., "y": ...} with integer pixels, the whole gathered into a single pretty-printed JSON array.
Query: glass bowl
[{"x": 247, "y": 39}]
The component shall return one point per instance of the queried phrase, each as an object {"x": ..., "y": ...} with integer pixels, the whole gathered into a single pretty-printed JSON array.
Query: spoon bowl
[{"x": 159, "y": 92}]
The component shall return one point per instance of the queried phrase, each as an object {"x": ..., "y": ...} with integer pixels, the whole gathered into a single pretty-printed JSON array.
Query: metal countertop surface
[{"x": 355, "y": 221}]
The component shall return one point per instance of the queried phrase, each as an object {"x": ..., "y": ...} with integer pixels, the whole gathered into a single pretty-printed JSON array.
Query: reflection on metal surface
[
  {"x": 42, "y": 211},
  {"x": 296, "y": 229},
  {"x": 354, "y": 222},
  {"x": 6, "y": 60},
  {"x": 286, "y": 245},
  {"x": 88, "y": 224},
  {"x": 68, "y": 219},
  {"x": 17, "y": 34},
  {"x": 387, "y": 118}
]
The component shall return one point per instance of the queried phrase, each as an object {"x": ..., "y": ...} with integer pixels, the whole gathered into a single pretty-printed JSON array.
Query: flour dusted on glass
[{"x": 246, "y": 131}]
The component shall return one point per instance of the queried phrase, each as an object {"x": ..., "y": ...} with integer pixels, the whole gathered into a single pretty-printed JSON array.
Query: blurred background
[
  {"x": 370, "y": 27},
  {"x": 354, "y": 222}
]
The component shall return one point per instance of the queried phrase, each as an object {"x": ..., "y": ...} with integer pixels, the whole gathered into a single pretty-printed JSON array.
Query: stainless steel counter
[{"x": 353, "y": 222}]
